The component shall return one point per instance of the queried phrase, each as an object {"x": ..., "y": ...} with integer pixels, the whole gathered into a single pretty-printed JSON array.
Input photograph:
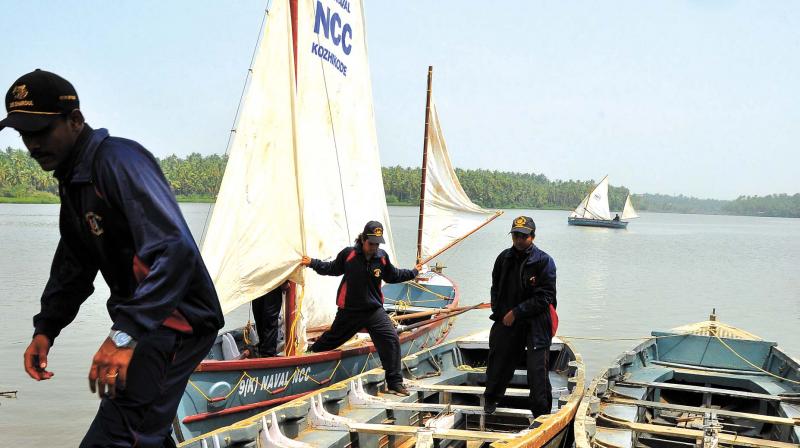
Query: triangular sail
[
  {"x": 449, "y": 213},
  {"x": 303, "y": 174},
  {"x": 337, "y": 144},
  {"x": 595, "y": 204},
  {"x": 253, "y": 241},
  {"x": 629, "y": 212}
]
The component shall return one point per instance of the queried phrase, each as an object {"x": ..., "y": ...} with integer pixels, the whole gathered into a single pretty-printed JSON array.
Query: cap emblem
[
  {"x": 20, "y": 92},
  {"x": 378, "y": 231},
  {"x": 519, "y": 222}
]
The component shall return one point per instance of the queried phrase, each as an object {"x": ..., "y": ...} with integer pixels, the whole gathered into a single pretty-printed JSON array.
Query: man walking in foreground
[
  {"x": 523, "y": 310},
  {"x": 360, "y": 300},
  {"x": 118, "y": 216}
]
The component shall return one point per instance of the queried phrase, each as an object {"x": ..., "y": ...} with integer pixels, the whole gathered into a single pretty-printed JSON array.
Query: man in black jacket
[
  {"x": 119, "y": 217},
  {"x": 523, "y": 310},
  {"x": 360, "y": 300}
]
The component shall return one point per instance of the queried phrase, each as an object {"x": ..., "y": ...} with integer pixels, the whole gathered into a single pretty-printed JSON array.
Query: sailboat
[
  {"x": 303, "y": 176},
  {"x": 593, "y": 210}
]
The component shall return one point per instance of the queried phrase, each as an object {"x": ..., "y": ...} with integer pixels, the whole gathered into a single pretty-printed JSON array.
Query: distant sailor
[
  {"x": 360, "y": 300},
  {"x": 118, "y": 216},
  {"x": 523, "y": 297}
]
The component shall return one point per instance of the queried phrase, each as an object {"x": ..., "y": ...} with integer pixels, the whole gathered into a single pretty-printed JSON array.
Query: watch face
[{"x": 121, "y": 339}]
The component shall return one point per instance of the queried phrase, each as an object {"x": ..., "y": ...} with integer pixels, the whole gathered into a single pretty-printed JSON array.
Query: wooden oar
[
  {"x": 402, "y": 328},
  {"x": 440, "y": 311},
  {"x": 451, "y": 311}
]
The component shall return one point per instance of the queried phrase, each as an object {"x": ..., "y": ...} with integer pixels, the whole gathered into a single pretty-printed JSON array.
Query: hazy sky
[{"x": 694, "y": 97}]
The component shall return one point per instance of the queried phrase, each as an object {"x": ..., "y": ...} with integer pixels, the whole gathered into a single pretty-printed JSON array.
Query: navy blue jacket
[
  {"x": 119, "y": 216},
  {"x": 536, "y": 291},
  {"x": 360, "y": 288}
]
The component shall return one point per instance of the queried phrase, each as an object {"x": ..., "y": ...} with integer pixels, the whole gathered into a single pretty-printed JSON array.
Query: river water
[{"x": 666, "y": 270}]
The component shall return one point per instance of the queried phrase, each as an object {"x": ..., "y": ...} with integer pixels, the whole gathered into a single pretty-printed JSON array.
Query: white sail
[
  {"x": 337, "y": 144},
  {"x": 629, "y": 212},
  {"x": 303, "y": 174},
  {"x": 449, "y": 213},
  {"x": 595, "y": 204},
  {"x": 253, "y": 240}
]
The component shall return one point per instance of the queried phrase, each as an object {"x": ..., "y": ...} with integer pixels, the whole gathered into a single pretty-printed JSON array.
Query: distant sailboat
[{"x": 593, "y": 210}]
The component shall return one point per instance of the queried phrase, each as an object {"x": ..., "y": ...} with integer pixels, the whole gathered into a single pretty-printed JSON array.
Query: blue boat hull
[{"x": 611, "y": 224}]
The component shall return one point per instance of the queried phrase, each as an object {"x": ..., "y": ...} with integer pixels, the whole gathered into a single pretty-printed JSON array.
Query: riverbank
[{"x": 49, "y": 198}]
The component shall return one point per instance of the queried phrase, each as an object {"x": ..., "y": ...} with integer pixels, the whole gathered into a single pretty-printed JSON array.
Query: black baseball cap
[
  {"x": 374, "y": 232},
  {"x": 36, "y": 99},
  {"x": 523, "y": 224}
]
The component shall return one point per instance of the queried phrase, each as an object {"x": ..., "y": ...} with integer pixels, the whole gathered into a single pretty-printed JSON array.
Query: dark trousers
[
  {"x": 506, "y": 346},
  {"x": 266, "y": 313},
  {"x": 381, "y": 330},
  {"x": 141, "y": 415}
]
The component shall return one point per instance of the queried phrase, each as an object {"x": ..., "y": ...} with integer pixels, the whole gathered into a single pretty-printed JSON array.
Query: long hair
[{"x": 359, "y": 239}]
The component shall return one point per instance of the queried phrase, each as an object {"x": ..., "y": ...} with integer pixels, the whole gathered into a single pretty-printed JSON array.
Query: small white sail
[
  {"x": 449, "y": 214},
  {"x": 253, "y": 240},
  {"x": 629, "y": 212},
  {"x": 595, "y": 204}
]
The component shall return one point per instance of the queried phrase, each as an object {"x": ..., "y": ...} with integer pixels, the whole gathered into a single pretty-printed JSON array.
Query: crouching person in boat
[
  {"x": 118, "y": 216},
  {"x": 360, "y": 300},
  {"x": 523, "y": 297}
]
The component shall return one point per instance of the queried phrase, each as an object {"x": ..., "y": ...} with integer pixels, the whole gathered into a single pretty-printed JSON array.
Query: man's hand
[
  {"x": 305, "y": 261},
  {"x": 508, "y": 319},
  {"x": 109, "y": 369},
  {"x": 418, "y": 267},
  {"x": 35, "y": 358}
]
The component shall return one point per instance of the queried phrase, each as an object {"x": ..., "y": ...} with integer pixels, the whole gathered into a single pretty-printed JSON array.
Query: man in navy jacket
[
  {"x": 360, "y": 300},
  {"x": 523, "y": 297},
  {"x": 119, "y": 217}
]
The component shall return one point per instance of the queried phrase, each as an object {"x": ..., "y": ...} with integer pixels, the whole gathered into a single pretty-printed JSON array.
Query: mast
[
  {"x": 424, "y": 164},
  {"x": 290, "y": 298}
]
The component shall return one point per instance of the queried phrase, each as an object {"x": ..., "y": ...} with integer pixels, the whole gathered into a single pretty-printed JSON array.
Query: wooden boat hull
[
  {"x": 446, "y": 382},
  {"x": 690, "y": 384},
  {"x": 221, "y": 392},
  {"x": 611, "y": 224}
]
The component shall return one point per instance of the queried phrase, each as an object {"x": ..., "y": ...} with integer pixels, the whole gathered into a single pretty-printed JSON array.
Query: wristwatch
[{"x": 122, "y": 339}]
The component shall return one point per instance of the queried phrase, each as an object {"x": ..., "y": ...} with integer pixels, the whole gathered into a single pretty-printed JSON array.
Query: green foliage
[
  {"x": 196, "y": 178},
  {"x": 678, "y": 204},
  {"x": 782, "y": 205},
  {"x": 498, "y": 189}
]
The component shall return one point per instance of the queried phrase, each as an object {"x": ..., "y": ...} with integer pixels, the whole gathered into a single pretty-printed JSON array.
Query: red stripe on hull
[{"x": 236, "y": 409}]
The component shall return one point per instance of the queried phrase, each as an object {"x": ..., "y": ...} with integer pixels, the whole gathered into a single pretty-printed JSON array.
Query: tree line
[{"x": 197, "y": 177}]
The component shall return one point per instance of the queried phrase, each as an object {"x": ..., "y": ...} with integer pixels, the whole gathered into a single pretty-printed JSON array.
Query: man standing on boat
[
  {"x": 360, "y": 300},
  {"x": 118, "y": 216},
  {"x": 523, "y": 310}
]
